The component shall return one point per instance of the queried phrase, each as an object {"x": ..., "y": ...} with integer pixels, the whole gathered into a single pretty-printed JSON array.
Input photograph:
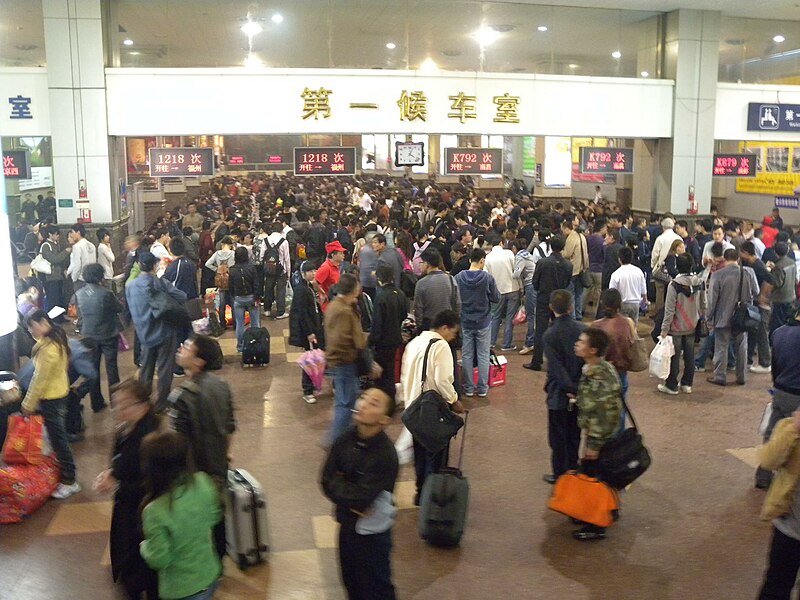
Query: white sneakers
[
  {"x": 65, "y": 491},
  {"x": 759, "y": 369},
  {"x": 686, "y": 389},
  {"x": 282, "y": 316},
  {"x": 526, "y": 350},
  {"x": 310, "y": 398},
  {"x": 662, "y": 387}
]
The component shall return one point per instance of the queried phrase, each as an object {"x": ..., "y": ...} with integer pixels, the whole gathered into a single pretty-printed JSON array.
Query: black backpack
[{"x": 272, "y": 259}]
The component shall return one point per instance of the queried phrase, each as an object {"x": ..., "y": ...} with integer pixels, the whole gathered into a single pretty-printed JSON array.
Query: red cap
[
  {"x": 334, "y": 246},
  {"x": 768, "y": 221}
]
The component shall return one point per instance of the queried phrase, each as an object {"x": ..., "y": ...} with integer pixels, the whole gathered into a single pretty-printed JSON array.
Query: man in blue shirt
[{"x": 157, "y": 336}]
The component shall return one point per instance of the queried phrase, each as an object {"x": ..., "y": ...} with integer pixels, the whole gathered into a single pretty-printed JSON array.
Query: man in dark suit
[
  {"x": 551, "y": 274},
  {"x": 563, "y": 376},
  {"x": 610, "y": 256}
]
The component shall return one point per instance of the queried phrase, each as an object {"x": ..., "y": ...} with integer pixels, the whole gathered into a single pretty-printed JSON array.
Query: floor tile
[
  {"x": 326, "y": 531},
  {"x": 84, "y": 517},
  {"x": 748, "y": 456}
]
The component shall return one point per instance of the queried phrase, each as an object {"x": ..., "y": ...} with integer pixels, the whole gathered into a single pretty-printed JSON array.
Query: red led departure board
[
  {"x": 465, "y": 161},
  {"x": 236, "y": 160},
  {"x": 325, "y": 161},
  {"x": 181, "y": 162},
  {"x": 734, "y": 165},
  {"x": 606, "y": 160},
  {"x": 17, "y": 164}
]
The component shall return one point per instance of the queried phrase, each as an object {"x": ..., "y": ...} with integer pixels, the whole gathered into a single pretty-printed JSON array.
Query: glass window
[
  {"x": 452, "y": 35},
  {"x": 22, "y": 34},
  {"x": 759, "y": 51}
]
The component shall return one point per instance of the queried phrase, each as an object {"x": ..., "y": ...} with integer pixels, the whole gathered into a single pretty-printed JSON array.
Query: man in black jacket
[
  {"x": 390, "y": 310},
  {"x": 563, "y": 376},
  {"x": 306, "y": 322},
  {"x": 201, "y": 408},
  {"x": 359, "y": 477},
  {"x": 551, "y": 274}
]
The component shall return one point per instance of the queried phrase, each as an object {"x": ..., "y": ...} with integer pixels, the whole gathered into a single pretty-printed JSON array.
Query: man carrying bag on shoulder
[{"x": 428, "y": 371}]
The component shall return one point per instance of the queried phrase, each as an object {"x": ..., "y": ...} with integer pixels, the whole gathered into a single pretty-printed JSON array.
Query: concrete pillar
[
  {"x": 691, "y": 59},
  {"x": 73, "y": 32}
]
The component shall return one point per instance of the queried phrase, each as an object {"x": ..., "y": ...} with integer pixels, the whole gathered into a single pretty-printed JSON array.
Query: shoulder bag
[
  {"x": 429, "y": 418},
  {"x": 640, "y": 353},
  {"x": 624, "y": 458},
  {"x": 166, "y": 308},
  {"x": 746, "y": 316},
  {"x": 585, "y": 498}
]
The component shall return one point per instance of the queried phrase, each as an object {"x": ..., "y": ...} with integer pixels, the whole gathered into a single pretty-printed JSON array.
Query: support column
[
  {"x": 692, "y": 60},
  {"x": 73, "y": 32}
]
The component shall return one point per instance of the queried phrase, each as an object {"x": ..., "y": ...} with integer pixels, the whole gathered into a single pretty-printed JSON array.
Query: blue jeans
[
  {"x": 475, "y": 345},
  {"x": 506, "y": 308},
  {"x": 206, "y": 594},
  {"x": 530, "y": 309},
  {"x": 346, "y": 391},
  {"x": 54, "y": 413},
  {"x": 576, "y": 288},
  {"x": 706, "y": 348},
  {"x": 240, "y": 305}
]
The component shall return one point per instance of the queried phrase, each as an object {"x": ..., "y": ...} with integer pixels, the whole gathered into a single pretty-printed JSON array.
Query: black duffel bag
[
  {"x": 166, "y": 308},
  {"x": 429, "y": 418},
  {"x": 746, "y": 316},
  {"x": 623, "y": 459}
]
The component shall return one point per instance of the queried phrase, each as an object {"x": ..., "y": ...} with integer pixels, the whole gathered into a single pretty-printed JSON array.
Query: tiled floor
[{"x": 689, "y": 527}]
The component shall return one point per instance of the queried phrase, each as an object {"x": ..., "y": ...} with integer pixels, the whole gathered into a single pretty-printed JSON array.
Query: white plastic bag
[
  {"x": 765, "y": 419},
  {"x": 405, "y": 447},
  {"x": 660, "y": 358}
]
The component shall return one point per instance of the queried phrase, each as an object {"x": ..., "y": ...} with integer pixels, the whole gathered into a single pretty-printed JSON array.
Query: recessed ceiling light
[
  {"x": 428, "y": 65},
  {"x": 134, "y": 53},
  {"x": 128, "y": 42},
  {"x": 251, "y": 28},
  {"x": 391, "y": 46},
  {"x": 778, "y": 39},
  {"x": 542, "y": 28},
  {"x": 277, "y": 18},
  {"x": 616, "y": 54},
  {"x": 572, "y": 66},
  {"x": 644, "y": 74},
  {"x": 486, "y": 36}
]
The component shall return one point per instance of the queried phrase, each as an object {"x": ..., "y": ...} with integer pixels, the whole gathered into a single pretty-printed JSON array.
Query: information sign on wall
[
  {"x": 17, "y": 164},
  {"x": 325, "y": 161},
  {"x": 181, "y": 162},
  {"x": 606, "y": 160},
  {"x": 773, "y": 117},
  {"x": 787, "y": 202},
  {"x": 479, "y": 161},
  {"x": 734, "y": 165}
]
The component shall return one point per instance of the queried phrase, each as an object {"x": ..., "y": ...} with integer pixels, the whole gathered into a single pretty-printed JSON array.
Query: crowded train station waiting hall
[{"x": 411, "y": 299}]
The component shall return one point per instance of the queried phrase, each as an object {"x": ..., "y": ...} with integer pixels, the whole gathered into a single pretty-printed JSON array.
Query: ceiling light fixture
[
  {"x": 128, "y": 42},
  {"x": 778, "y": 39},
  {"x": 542, "y": 28},
  {"x": 251, "y": 28},
  {"x": 277, "y": 18},
  {"x": 644, "y": 74},
  {"x": 134, "y": 53},
  {"x": 572, "y": 66},
  {"x": 486, "y": 36},
  {"x": 391, "y": 46},
  {"x": 616, "y": 54},
  {"x": 428, "y": 65},
  {"x": 253, "y": 62}
]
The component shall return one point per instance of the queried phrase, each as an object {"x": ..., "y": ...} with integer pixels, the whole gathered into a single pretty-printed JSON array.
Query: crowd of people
[{"x": 402, "y": 283}]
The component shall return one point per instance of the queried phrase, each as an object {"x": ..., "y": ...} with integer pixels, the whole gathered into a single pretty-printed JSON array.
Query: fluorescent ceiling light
[
  {"x": 778, "y": 39},
  {"x": 572, "y": 66},
  {"x": 616, "y": 54},
  {"x": 134, "y": 53},
  {"x": 391, "y": 45},
  {"x": 486, "y": 36},
  {"x": 428, "y": 65},
  {"x": 542, "y": 28},
  {"x": 644, "y": 74},
  {"x": 251, "y": 28},
  {"x": 128, "y": 42},
  {"x": 277, "y": 18}
]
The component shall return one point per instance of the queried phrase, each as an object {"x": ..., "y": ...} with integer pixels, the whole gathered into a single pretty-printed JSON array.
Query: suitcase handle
[{"x": 463, "y": 435}]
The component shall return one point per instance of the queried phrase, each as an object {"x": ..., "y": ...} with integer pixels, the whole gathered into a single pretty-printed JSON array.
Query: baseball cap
[{"x": 334, "y": 246}]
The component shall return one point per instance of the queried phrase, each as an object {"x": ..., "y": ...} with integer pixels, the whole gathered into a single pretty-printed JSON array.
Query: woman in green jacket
[{"x": 180, "y": 510}]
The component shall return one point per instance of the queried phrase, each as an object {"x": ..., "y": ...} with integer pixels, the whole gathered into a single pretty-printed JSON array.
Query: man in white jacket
[
  {"x": 660, "y": 251},
  {"x": 438, "y": 377},
  {"x": 83, "y": 253},
  {"x": 500, "y": 265}
]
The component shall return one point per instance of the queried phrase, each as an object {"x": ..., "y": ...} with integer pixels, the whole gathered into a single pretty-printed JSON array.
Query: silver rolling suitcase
[{"x": 246, "y": 527}]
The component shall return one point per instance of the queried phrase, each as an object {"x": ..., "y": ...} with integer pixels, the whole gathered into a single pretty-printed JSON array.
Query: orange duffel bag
[{"x": 584, "y": 498}]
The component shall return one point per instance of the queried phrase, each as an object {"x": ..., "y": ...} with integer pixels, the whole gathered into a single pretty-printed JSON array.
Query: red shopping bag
[
  {"x": 25, "y": 488},
  {"x": 24, "y": 440}
]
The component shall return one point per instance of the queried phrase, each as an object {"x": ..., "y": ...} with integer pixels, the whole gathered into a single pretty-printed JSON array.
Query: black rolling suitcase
[
  {"x": 443, "y": 503},
  {"x": 255, "y": 347}
]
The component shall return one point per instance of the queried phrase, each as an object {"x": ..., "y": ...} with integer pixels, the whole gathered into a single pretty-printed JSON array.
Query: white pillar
[
  {"x": 73, "y": 32},
  {"x": 692, "y": 59}
]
